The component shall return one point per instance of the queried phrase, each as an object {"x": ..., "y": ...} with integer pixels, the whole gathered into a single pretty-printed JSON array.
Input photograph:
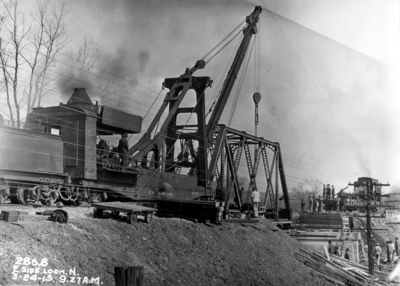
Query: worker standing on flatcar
[
  {"x": 328, "y": 192},
  {"x": 123, "y": 148},
  {"x": 323, "y": 191}
]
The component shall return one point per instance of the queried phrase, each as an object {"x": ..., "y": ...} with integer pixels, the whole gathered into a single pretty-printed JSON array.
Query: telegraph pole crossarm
[{"x": 370, "y": 194}]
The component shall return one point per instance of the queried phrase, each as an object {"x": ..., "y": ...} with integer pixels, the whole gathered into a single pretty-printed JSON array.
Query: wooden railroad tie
[{"x": 129, "y": 276}]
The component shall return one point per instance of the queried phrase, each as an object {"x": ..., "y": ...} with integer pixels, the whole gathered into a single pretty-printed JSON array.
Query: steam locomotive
[{"x": 56, "y": 157}]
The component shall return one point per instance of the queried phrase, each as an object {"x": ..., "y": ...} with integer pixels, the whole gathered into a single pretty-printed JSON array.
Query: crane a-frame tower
[{"x": 209, "y": 150}]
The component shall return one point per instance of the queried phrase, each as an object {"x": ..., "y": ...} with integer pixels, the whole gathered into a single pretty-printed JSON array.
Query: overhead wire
[{"x": 153, "y": 102}]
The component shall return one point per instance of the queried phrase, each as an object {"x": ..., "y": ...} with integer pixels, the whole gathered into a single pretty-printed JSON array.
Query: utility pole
[
  {"x": 369, "y": 231},
  {"x": 370, "y": 194}
]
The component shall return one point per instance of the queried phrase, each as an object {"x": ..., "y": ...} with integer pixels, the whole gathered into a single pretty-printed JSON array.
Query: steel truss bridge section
[{"x": 226, "y": 151}]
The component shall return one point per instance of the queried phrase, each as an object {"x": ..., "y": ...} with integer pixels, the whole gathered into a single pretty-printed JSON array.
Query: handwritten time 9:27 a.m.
[{"x": 33, "y": 269}]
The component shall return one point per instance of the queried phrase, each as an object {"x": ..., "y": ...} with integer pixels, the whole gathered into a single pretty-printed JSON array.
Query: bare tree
[
  {"x": 306, "y": 188},
  {"x": 88, "y": 54},
  {"x": 49, "y": 39},
  {"x": 315, "y": 186},
  {"x": 300, "y": 191},
  {"x": 27, "y": 51},
  {"x": 15, "y": 31}
]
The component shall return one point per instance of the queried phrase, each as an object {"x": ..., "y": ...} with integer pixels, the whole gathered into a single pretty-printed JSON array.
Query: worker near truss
[
  {"x": 123, "y": 148},
  {"x": 310, "y": 204},
  {"x": 255, "y": 197}
]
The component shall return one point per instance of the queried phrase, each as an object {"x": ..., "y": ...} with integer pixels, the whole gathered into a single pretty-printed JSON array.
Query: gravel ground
[{"x": 172, "y": 252}]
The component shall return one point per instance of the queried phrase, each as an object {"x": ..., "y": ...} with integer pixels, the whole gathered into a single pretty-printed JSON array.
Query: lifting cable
[
  {"x": 150, "y": 109},
  {"x": 212, "y": 50},
  {"x": 223, "y": 40},
  {"x": 222, "y": 79},
  {"x": 237, "y": 34},
  {"x": 241, "y": 79}
]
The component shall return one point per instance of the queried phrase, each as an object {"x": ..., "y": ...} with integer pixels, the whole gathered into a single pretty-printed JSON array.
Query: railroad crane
[
  {"x": 216, "y": 143},
  {"x": 79, "y": 170}
]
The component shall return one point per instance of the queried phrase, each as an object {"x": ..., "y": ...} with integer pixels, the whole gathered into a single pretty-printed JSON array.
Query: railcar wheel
[
  {"x": 23, "y": 196},
  {"x": 14, "y": 200},
  {"x": 148, "y": 217},
  {"x": 78, "y": 200},
  {"x": 50, "y": 202},
  {"x": 97, "y": 213},
  {"x": 132, "y": 218}
]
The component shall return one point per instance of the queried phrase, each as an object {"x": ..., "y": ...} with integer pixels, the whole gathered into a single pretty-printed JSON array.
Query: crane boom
[{"x": 248, "y": 32}]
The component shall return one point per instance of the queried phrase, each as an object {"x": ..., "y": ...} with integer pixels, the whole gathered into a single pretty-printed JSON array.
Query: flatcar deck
[{"x": 132, "y": 210}]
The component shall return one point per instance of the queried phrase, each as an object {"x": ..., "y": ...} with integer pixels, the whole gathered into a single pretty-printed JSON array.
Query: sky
[{"x": 329, "y": 73}]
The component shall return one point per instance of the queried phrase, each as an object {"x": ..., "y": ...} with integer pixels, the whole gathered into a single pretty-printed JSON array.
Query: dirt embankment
[{"x": 172, "y": 251}]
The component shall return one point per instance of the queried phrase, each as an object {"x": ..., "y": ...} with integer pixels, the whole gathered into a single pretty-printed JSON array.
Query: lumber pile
[{"x": 340, "y": 271}]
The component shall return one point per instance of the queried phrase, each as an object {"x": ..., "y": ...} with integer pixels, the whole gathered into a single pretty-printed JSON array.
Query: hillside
[{"x": 172, "y": 251}]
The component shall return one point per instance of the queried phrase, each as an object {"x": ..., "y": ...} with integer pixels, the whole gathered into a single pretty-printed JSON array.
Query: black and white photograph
[{"x": 199, "y": 142}]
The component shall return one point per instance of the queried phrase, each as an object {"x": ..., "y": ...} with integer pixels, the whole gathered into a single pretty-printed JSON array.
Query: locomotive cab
[{"x": 83, "y": 125}]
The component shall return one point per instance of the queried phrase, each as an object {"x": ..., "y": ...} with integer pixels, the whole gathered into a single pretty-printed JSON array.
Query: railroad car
[{"x": 356, "y": 200}]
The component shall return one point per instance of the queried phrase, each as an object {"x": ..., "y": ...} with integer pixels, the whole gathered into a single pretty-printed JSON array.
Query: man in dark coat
[
  {"x": 388, "y": 256},
  {"x": 396, "y": 246},
  {"x": 328, "y": 192},
  {"x": 346, "y": 255},
  {"x": 123, "y": 148}
]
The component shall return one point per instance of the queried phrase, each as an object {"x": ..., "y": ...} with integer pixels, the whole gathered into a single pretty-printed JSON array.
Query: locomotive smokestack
[
  {"x": 80, "y": 96},
  {"x": 81, "y": 99}
]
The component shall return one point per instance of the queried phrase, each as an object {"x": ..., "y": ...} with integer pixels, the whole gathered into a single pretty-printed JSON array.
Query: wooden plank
[
  {"x": 134, "y": 276},
  {"x": 240, "y": 220},
  {"x": 279, "y": 222},
  {"x": 117, "y": 119},
  {"x": 90, "y": 148},
  {"x": 312, "y": 235},
  {"x": 327, "y": 253},
  {"x": 119, "y": 274},
  {"x": 122, "y": 207}
]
